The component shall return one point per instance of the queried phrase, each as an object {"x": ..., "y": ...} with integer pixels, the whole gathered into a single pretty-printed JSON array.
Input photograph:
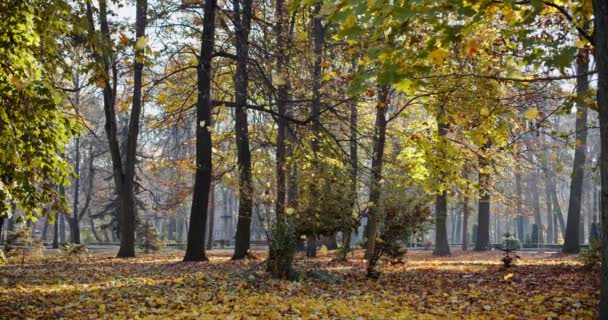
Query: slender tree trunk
[
  {"x": 354, "y": 167},
  {"x": 75, "y": 220},
  {"x": 537, "y": 215},
  {"x": 483, "y": 222},
  {"x": 45, "y": 229},
  {"x": 442, "y": 247},
  {"x": 548, "y": 200},
  {"x": 375, "y": 187},
  {"x": 600, "y": 11},
  {"x": 465, "y": 223},
  {"x": 242, "y": 22},
  {"x": 520, "y": 219},
  {"x": 195, "y": 250},
  {"x": 127, "y": 199},
  {"x": 571, "y": 241},
  {"x": 93, "y": 229},
  {"x": 282, "y": 96},
  {"x": 211, "y": 217}
]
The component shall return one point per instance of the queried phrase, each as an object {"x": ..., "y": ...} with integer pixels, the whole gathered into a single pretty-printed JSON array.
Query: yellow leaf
[
  {"x": 508, "y": 276},
  {"x": 531, "y": 113},
  {"x": 141, "y": 43},
  {"x": 438, "y": 56},
  {"x": 484, "y": 111}
]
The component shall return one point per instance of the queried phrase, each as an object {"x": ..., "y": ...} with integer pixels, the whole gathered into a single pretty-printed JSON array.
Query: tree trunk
[
  {"x": 242, "y": 24},
  {"x": 75, "y": 220},
  {"x": 465, "y": 223},
  {"x": 92, "y": 225},
  {"x": 354, "y": 167},
  {"x": 127, "y": 199},
  {"x": 375, "y": 187},
  {"x": 483, "y": 223},
  {"x": 548, "y": 199},
  {"x": 282, "y": 96},
  {"x": 520, "y": 219},
  {"x": 211, "y": 217},
  {"x": 600, "y": 11},
  {"x": 195, "y": 250},
  {"x": 537, "y": 215},
  {"x": 442, "y": 247},
  {"x": 571, "y": 241}
]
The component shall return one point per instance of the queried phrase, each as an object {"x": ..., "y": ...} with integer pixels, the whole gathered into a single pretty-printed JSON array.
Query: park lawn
[{"x": 467, "y": 285}]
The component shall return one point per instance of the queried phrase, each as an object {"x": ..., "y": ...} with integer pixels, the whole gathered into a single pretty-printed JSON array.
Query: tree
[
  {"x": 35, "y": 124},
  {"x": 571, "y": 237},
  {"x": 242, "y": 23},
  {"x": 195, "y": 250},
  {"x": 600, "y": 11}
]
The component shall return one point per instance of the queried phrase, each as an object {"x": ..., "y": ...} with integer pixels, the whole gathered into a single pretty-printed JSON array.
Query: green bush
[
  {"x": 148, "y": 238},
  {"x": 21, "y": 244},
  {"x": 283, "y": 242},
  {"x": 75, "y": 250},
  {"x": 592, "y": 256}
]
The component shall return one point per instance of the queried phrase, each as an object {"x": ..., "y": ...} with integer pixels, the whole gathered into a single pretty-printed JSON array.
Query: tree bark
[
  {"x": 465, "y": 223},
  {"x": 600, "y": 11},
  {"x": 211, "y": 217},
  {"x": 195, "y": 250},
  {"x": 75, "y": 220},
  {"x": 242, "y": 24},
  {"x": 375, "y": 187},
  {"x": 483, "y": 222},
  {"x": 571, "y": 241},
  {"x": 442, "y": 247},
  {"x": 282, "y": 95}
]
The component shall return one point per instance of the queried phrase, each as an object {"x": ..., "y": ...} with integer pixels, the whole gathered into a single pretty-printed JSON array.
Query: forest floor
[{"x": 466, "y": 285}]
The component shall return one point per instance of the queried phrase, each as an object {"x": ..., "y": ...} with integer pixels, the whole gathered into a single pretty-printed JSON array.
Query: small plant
[
  {"x": 21, "y": 244},
  {"x": 148, "y": 238},
  {"x": 509, "y": 245},
  {"x": 283, "y": 242},
  {"x": 75, "y": 250},
  {"x": 592, "y": 256}
]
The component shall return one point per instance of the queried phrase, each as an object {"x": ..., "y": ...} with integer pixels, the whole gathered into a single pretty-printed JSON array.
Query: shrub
[
  {"x": 21, "y": 243},
  {"x": 508, "y": 246},
  {"x": 75, "y": 250},
  {"x": 592, "y": 256},
  {"x": 283, "y": 242},
  {"x": 148, "y": 238}
]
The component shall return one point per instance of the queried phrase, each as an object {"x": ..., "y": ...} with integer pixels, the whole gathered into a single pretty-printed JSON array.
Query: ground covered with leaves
[{"x": 467, "y": 285}]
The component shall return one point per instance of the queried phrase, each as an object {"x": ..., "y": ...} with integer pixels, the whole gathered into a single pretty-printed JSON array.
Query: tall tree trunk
[
  {"x": 600, "y": 11},
  {"x": 211, "y": 217},
  {"x": 483, "y": 222},
  {"x": 45, "y": 229},
  {"x": 465, "y": 223},
  {"x": 442, "y": 247},
  {"x": 520, "y": 219},
  {"x": 93, "y": 229},
  {"x": 75, "y": 220},
  {"x": 375, "y": 187},
  {"x": 571, "y": 241},
  {"x": 548, "y": 199},
  {"x": 195, "y": 250},
  {"x": 354, "y": 167},
  {"x": 315, "y": 110},
  {"x": 282, "y": 96},
  {"x": 242, "y": 24},
  {"x": 127, "y": 199},
  {"x": 537, "y": 215}
]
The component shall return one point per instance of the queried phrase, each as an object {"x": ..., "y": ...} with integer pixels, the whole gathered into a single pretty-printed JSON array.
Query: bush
[
  {"x": 508, "y": 246},
  {"x": 283, "y": 242},
  {"x": 21, "y": 244},
  {"x": 148, "y": 238},
  {"x": 592, "y": 256},
  {"x": 75, "y": 250},
  {"x": 404, "y": 215}
]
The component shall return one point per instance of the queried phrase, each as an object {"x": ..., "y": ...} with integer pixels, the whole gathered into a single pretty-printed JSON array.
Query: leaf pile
[{"x": 466, "y": 285}]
